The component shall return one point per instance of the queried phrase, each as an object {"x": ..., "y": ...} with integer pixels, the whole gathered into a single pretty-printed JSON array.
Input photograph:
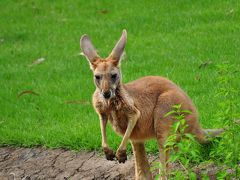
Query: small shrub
[
  {"x": 180, "y": 144},
  {"x": 226, "y": 151}
]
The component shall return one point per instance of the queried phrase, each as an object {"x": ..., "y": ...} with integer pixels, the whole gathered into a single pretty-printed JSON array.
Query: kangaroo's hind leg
[
  {"x": 162, "y": 127},
  {"x": 163, "y": 124},
  {"x": 142, "y": 167}
]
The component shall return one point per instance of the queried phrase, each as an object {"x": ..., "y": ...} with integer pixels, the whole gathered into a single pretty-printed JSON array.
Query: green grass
[{"x": 170, "y": 39}]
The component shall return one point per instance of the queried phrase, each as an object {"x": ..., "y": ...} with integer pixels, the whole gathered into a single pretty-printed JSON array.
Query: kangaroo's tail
[{"x": 209, "y": 134}]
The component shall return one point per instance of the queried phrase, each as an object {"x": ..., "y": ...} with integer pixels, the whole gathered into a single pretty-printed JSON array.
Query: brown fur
[{"x": 136, "y": 110}]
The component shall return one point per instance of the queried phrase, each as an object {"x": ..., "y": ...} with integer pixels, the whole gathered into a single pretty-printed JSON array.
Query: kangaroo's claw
[
  {"x": 121, "y": 156},
  {"x": 109, "y": 154}
]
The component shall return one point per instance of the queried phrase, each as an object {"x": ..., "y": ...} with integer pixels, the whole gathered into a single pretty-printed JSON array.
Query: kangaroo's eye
[
  {"x": 97, "y": 77},
  {"x": 113, "y": 76}
]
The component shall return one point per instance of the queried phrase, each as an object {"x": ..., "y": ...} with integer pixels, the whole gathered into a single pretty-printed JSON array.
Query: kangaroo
[{"x": 136, "y": 110}]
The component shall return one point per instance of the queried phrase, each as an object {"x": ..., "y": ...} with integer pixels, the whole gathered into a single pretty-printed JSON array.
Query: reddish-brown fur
[{"x": 136, "y": 110}]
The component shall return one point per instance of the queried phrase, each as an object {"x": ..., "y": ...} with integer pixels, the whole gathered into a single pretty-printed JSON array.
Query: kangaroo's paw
[
  {"x": 109, "y": 154},
  {"x": 121, "y": 156}
]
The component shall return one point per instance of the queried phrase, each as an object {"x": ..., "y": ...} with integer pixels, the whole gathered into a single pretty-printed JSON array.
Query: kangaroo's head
[{"x": 107, "y": 74}]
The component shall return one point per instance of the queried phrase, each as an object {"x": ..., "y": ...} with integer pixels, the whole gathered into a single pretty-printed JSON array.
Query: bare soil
[{"x": 42, "y": 163}]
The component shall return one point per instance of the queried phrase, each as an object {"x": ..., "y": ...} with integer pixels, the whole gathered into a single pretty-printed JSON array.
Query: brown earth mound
[{"x": 41, "y": 163}]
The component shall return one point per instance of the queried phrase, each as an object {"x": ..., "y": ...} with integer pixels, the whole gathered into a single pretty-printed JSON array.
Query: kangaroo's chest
[
  {"x": 117, "y": 112},
  {"x": 118, "y": 120}
]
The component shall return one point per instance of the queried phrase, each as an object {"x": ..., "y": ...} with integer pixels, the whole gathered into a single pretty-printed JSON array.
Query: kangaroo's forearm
[
  {"x": 108, "y": 152},
  {"x": 131, "y": 124},
  {"x": 103, "y": 124}
]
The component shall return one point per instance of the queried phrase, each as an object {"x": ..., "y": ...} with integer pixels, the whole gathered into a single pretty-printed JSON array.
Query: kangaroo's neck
[
  {"x": 120, "y": 93},
  {"x": 121, "y": 98}
]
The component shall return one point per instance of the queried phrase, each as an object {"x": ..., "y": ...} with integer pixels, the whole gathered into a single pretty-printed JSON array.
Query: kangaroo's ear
[
  {"x": 118, "y": 50},
  {"x": 88, "y": 49}
]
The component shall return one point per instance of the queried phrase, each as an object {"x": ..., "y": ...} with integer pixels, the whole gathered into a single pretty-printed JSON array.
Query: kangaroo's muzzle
[{"x": 107, "y": 94}]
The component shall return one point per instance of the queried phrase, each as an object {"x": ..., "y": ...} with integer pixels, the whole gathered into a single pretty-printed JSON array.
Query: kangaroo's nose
[{"x": 107, "y": 94}]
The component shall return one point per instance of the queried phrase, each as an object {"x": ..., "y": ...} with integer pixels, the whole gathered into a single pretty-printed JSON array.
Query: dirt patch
[
  {"x": 60, "y": 164},
  {"x": 41, "y": 163}
]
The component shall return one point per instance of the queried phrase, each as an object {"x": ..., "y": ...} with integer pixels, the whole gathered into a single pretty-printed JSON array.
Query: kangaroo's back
[
  {"x": 149, "y": 88},
  {"x": 150, "y": 85}
]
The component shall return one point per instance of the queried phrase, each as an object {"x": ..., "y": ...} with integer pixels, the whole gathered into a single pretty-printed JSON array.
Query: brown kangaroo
[{"x": 136, "y": 110}]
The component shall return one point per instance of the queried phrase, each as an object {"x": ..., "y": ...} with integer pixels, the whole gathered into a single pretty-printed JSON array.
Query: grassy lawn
[{"x": 170, "y": 39}]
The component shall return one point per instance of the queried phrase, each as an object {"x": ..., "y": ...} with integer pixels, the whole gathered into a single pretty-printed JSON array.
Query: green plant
[
  {"x": 181, "y": 145},
  {"x": 227, "y": 149}
]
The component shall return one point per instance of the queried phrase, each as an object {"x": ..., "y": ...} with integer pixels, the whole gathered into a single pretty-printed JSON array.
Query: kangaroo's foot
[
  {"x": 109, "y": 154},
  {"x": 121, "y": 156}
]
